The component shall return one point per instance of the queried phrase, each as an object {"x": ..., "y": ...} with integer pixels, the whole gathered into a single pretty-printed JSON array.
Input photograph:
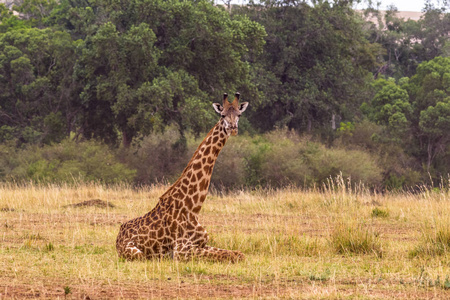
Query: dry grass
[{"x": 298, "y": 244}]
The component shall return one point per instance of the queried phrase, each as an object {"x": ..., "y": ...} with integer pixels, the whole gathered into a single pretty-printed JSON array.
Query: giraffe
[{"x": 172, "y": 228}]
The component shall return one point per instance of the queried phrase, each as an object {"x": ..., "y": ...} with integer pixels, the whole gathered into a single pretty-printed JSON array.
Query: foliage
[
  {"x": 121, "y": 72},
  {"x": 314, "y": 65},
  {"x": 114, "y": 68},
  {"x": 231, "y": 170},
  {"x": 389, "y": 107},
  {"x": 346, "y": 129},
  {"x": 399, "y": 170},
  {"x": 157, "y": 157},
  {"x": 158, "y": 66},
  {"x": 380, "y": 213},
  {"x": 414, "y": 114},
  {"x": 67, "y": 161},
  {"x": 36, "y": 85},
  {"x": 407, "y": 43},
  {"x": 281, "y": 158},
  {"x": 35, "y": 12},
  {"x": 8, "y": 21},
  {"x": 430, "y": 91}
]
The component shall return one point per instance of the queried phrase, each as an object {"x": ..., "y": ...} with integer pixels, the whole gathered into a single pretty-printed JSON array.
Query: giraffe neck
[{"x": 191, "y": 188}]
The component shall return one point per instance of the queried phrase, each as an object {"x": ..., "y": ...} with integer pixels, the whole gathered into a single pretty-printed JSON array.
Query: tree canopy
[{"x": 119, "y": 71}]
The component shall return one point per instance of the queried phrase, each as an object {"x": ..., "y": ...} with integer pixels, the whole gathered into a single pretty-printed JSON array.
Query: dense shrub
[
  {"x": 158, "y": 157},
  {"x": 285, "y": 162},
  {"x": 229, "y": 170},
  {"x": 63, "y": 162},
  {"x": 398, "y": 167},
  {"x": 357, "y": 165},
  {"x": 283, "y": 158},
  {"x": 276, "y": 159}
]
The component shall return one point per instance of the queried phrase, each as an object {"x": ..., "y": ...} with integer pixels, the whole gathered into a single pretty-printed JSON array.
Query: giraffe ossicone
[{"x": 172, "y": 228}]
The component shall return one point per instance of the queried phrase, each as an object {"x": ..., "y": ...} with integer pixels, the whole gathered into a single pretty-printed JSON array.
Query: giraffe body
[{"x": 172, "y": 228}]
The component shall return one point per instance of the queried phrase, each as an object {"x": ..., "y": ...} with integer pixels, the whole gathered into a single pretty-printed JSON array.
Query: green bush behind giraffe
[{"x": 276, "y": 159}]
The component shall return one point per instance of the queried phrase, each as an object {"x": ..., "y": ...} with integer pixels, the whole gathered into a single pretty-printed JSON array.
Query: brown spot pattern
[{"x": 172, "y": 227}]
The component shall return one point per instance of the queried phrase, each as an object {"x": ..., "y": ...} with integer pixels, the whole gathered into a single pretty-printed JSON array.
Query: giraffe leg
[
  {"x": 130, "y": 251},
  {"x": 185, "y": 250},
  {"x": 217, "y": 254}
]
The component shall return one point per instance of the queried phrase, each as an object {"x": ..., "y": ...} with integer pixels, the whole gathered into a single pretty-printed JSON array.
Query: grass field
[{"x": 332, "y": 242}]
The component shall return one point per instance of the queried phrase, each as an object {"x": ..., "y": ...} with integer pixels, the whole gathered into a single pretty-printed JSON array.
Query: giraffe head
[{"x": 230, "y": 113}]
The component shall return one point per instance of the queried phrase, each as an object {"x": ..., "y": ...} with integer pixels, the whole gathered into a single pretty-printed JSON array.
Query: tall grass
[
  {"x": 435, "y": 240},
  {"x": 356, "y": 239},
  {"x": 310, "y": 243}
]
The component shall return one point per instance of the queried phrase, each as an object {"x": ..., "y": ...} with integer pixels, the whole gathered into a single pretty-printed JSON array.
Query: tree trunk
[
  {"x": 309, "y": 126},
  {"x": 126, "y": 139},
  {"x": 430, "y": 155}
]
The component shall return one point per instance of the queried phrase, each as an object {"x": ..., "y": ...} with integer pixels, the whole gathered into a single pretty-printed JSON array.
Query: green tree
[
  {"x": 415, "y": 113},
  {"x": 37, "y": 91},
  {"x": 113, "y": 67},
  {"x": 435, "y": 123},
  {"x": 8, "y": 21},
  {"x": 136, "y": 49},
  {"x": 389, "y": 107},
  {"x": 430, "y": 93},
  {"x": 35, "y": 12},
  {"x": 194, "y": 36},
  {"x": 314, "y": 66},
  {"x": 174, "y": 97},
  {"x": 407, "y": 43}
]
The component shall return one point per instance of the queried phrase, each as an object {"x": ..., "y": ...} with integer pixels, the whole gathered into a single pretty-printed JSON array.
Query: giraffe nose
[{"x": 234, "y": 129}]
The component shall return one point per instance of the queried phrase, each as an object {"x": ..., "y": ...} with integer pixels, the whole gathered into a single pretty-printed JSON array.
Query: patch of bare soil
[
  {"x": 38, "y": 222},
  {"x": 158, "y": 289},
  {"x": 150, "y": 290},
  {"x": 93, "y": 202}
]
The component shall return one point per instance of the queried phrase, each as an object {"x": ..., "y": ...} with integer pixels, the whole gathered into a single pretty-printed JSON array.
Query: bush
[
  {"x": 285, "y": 163},
  {"x": 64, "y": 162},
  {"x": 276, "y": 159},
  {"x": 357, "y": 165},
  {"x": 158, "y": 157},
  {"x": 286, "y": 159},
  {"x": 390, "y": 156},
  {"x": 229, "y": 170},
  {"x": 282, "y": 158},
  {"x": 360, "y": 136}
]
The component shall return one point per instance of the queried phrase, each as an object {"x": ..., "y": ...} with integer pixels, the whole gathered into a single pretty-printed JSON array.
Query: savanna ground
[{"x": 333, "y": 242}]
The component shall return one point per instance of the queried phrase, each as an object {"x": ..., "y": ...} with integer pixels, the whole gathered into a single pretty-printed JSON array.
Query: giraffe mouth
[{"x": 230, "y": 129}]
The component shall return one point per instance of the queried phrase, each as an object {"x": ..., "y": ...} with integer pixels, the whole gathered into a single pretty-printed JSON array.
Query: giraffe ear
[
  {"x": 217, "y": 107},
  {"x": 243, "y": 107}
]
